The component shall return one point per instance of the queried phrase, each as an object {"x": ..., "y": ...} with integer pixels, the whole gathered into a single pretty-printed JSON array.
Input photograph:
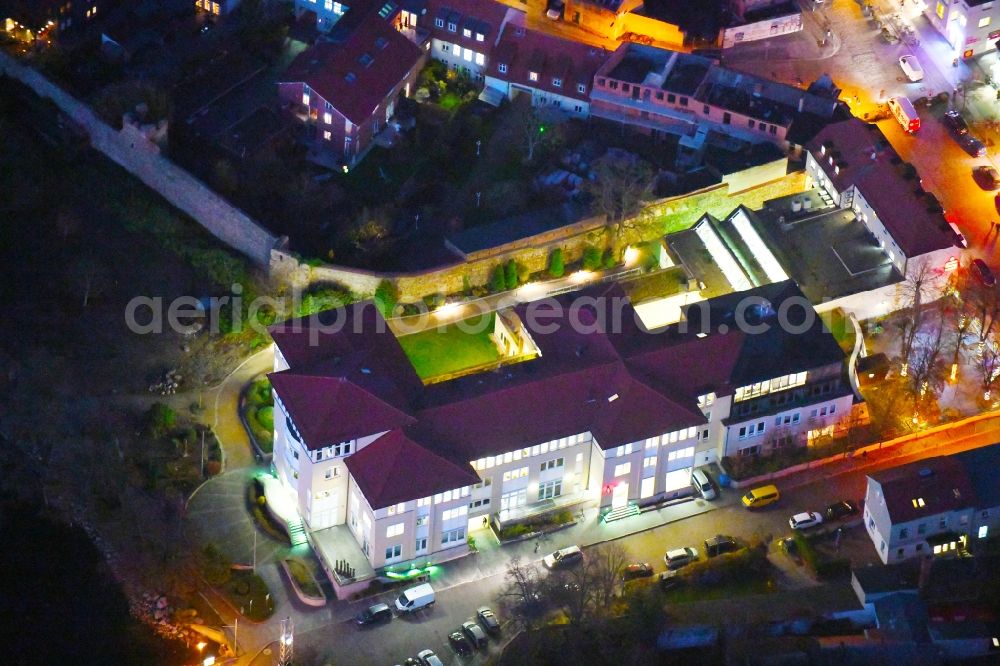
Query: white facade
[
  {"x": 328, "y": 12},
  {"x": 970, "y": 28},
  {"x": 471, "y": 61},
  {"x": 575, "y": 107}
]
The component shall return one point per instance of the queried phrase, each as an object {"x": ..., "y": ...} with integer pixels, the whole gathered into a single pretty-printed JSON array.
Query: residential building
[
  {"x": 216, "y": 7},
  {"x": 934, "y": 507},
  {"x": 598, "y": 413},
  {"x": 853, "y": 162},
  {"x": 346, "y": 92},
  {"x": 971, "y": 27},
  {"x": 463, "y": 33},
  {"x": 46, "y": 20},
  {"x": 659, "y": 91},
  {"x": 554, "y": 72},
  {"x": 326, "y": 12}
]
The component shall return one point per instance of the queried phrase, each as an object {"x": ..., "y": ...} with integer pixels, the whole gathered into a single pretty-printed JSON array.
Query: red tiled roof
[
  {"x": 904, "y": 213},
  {"x": 330, "y": 410},
  {"x": 355, "y": 76},
  {"x": 940, "y": 482},
  {"x": 523, "y": 51},
  {"x": 395, "y": 469}
]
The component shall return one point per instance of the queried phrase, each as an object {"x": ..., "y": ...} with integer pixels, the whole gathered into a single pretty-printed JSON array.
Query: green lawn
[
  {"x": 746, "y": 586},
  {"x": 440, "y": 351},
  {"x": 244, "y": 587}
]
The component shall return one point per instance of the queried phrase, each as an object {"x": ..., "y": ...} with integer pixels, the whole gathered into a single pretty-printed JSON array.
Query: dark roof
[
  {"x": 480, "y": 16},
  {"x": 355, "y": 76},
  {"x": 912, "y": 217},
  {"x": 982, "y": 466},
  {"x": 941, "y": 483},
  {"x": 523, "y": 51},
  {"x": 517, "y": 227},
  {"x": 902, "y": 616},
  {"x": 394, "y": 469},
  {"x": 897, "y": 577}
]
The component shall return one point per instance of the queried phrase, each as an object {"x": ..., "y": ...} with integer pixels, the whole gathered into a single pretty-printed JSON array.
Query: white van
[
  {"x": 703, "y": 484},
  {"x": 415, "y": 598},
  {"x": 904, "y": 112}
]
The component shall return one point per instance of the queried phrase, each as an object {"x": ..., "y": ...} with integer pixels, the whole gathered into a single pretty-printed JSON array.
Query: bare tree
[
  {"x": 988, "y": 367},
  {"x": 535, "y": 125},
  {"x": 521, "y": 595},
  {"x": 984, "y": 304},
  {"x": 927, "y": 371},
  {"x": 586, "y": 592},
  {"x": 623, "y": 183},
  {"x": 915, "y": 292},
  {"x": 606, "y": 563}
]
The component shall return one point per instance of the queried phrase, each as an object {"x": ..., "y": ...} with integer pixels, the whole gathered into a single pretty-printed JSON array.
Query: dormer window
[
  {"x": 502, "y": 68},
  {"x": 581, "y": 88},
  {"x": 532, "y": 76},
  {"x": 466, "y": 33},
  {"x": 439, "y": 23},
  {"x": 918, "y": 503},
  {"x": 452, "y": 27},
  {"x": 480, "y": 37},
  {"x": 557, "y": 82}
]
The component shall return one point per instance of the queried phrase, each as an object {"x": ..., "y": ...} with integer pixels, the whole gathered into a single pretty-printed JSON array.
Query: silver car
[{"x": 680, "y": 557}]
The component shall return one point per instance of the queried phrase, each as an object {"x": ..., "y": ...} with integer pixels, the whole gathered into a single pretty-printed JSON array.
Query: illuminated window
[
  {"x": 515, "y": 473},
  {"x": 466, "y": 32},
  {"x": 623, "y": 469},
  {"x": 532, "y": 76},
  {"x": 918, "y": 502},
  {"x": 305, "y": 99},
  {"x": 394, "y": 530},
  {"x": 649, "y": 462},
  {"x": 467, "y": 55},
  {"x": 983, "y": 22},
  {"x": 328, "y": 5},
  {"x": 480, "y": 37},
  {"x": 983, "y": 530},
  {"x": 480, "y": 59},
  {"x": 326, "y": 135},
  {"x": 939, "y": 9}
]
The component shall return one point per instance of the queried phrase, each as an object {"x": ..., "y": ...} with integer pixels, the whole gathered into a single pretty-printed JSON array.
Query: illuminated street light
[
  {"x": 581, "y": 276},
  {"x": 631, "y": 255}
]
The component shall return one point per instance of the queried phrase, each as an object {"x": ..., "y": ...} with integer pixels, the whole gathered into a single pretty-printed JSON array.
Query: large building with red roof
[
  {"x": 346, "y": 92},
  {"x": 604, "y": 412}
]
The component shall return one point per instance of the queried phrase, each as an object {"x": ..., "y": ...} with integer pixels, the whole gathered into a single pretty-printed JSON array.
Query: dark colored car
[
  {"x": 987, "y": 177},
  {"x": 412, "y": 661},
  {"x": 489, "y": 620},
  {"x": 791, "y": 549},
  {"x": 374, "y": 615},
  {"x": 460, "y": 643},
  {"x": 972, "y": 145},
  {"x": 841, "y": 509},
  {"x": 637, "y": 570},
  {"x": 983, "y": 272},
  {"x": 720, "y": 544},
  {"x": 474, "y": 633},
  {"x": 955, "y": 123}
]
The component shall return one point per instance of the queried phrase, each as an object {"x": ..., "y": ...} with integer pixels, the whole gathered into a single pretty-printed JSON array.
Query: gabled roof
[
  {"x": 330, "y": 410},
  {"x": 484, "y": 17},
  {"x": 925, "y": 488},
  {"x": 981, "y": 465},
  {"x": 522, "y": 52},
  {"x": 357, "y": 75},
  {"x": 863, "y": 157},
  {"x": 395, "y": 469}
]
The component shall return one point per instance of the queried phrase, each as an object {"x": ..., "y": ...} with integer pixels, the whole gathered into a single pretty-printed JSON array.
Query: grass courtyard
[{"x": 444, "y": 350}]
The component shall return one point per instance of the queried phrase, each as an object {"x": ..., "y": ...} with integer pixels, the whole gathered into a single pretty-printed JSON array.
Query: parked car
[
  {"x": 804, "y": 520},
  {"x": 680, "y": 557},
  {"x": 374, "y": 615},
  {"x": 955, "y": 123},
  {"x": 489, "y": 620},
  {"x": 972, "y": 145},
  {"x": 475, "y": 634},
  {"x": 415, "y": 598},
  {"x": 987, "y": 177},
  {"x": 841, "y": 509},
  {"x": 911, "y": 67},
  {"x": 791, "y": 549},
  {"x": 428, "y": 658},
  {"x": 758, "y": 498},
  {"x": 412, "y": 661},
  {"x": 637, "y": 570},
  {"x": 983, "y": 272},
  {"x": 564, "y": 557},
  {"x": 670, "y": 580},
  {"x": 720, "y": 544},
  {"x": 460, "y": 643}
]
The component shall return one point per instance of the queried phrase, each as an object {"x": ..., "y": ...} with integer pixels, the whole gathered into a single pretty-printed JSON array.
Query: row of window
[
  {"x": 537, "y": 450},
  {"x": 468, "y": 55},
  {"x": 453, "y": 27},
  {"x": 458, "y": 511},
  {"x": 770, "y": 386},
  {"x": 331, "y": 6},
  {"x": 752, "y": 430},
  {"x": 451, "y": 536},
  {"x": 518, "y": 473}
]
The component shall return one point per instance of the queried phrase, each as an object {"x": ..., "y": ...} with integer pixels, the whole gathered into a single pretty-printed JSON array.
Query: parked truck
[{"x": 415, "y": 598}]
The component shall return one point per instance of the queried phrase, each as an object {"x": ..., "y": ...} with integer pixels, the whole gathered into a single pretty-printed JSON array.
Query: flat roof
[{"x": 826, "y": 250}]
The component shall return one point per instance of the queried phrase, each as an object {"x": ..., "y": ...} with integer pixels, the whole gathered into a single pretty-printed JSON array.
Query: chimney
[{"x": 926, "y": 564}]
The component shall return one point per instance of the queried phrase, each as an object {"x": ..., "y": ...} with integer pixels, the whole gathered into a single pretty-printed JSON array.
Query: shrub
[
  {"x": 215, "y": 568},
  {"x": 160, "y": 419},
  {"x": 514, "y": 531},
  {"x": 386, "y": 297},
  {"x": 265, "y": 417},
  {"x": 523, "y": 274},
  {"x": 510, "y": 275},
  {"x": 609, "y": 261},
  {"x": 466, "y": 286},
  {"x": 498, "y": 280},
  {"x": 557, "y": 267},
  {"x": 563, "y": 517},
  {"x": 591, "y": 258}
]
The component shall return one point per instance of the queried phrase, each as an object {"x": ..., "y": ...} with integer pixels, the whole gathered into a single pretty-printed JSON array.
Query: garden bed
[
  {"x": 306, "y": 587},
  {"x": 248, "y": 593},
  {"x": 257, "y": 505},
  {"x": 257, "y": 411},
  {"x": 535, "y": 526}
]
